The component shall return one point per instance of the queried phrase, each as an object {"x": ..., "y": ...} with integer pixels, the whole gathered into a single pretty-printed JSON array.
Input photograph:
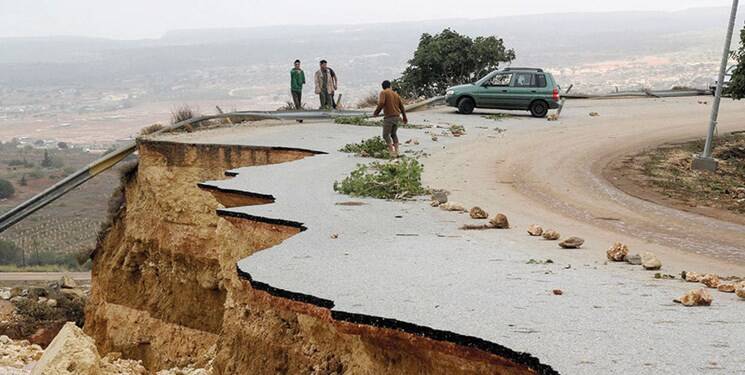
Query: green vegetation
[
  {"x": 497, "y": 116},
  {"x": 396, "y": 179},
  {"x": 448, "y": 59},
  {"x": 374, "y": 147},
  {"x": 457, "y": 130},
  {"x": 366, "y": 121},
  {"x": 10, "y": 253},
  {"x": 737, "y": 84},
  {"x": 6, "y": 189}
]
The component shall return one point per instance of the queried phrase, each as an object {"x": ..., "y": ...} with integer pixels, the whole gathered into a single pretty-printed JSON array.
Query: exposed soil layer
[
  {"x": 663, "y": 175},
  {"x": 166, "y": 289}
]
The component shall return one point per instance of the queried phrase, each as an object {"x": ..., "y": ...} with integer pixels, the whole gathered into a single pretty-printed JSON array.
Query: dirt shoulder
[{"x": 663, "y": 176}]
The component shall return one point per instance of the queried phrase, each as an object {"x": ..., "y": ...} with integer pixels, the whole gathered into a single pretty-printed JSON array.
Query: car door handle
[
  {"x": 533, "y": 91},
  {"x": 504, "y": 90}
]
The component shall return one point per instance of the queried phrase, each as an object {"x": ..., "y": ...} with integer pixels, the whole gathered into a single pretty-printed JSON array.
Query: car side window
[
  {"x": 524, "y": 80},
  {"x": 500, "y": 80},
  {"x": 540, "y": 80}
]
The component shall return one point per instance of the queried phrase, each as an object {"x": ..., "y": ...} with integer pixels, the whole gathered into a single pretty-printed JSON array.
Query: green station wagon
[{"x": 526, "y": 89}]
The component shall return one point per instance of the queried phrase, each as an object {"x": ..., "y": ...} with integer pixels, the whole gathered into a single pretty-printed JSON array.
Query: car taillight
[{"x": 556, "y": 94}]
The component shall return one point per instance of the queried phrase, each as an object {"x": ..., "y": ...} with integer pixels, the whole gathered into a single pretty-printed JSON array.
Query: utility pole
[{"x": 705, "y": 161}]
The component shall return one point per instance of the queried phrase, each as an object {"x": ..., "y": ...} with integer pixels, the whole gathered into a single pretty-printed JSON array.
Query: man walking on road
[
  {"x": 393, "y": 109},
  {"x": 297, "y": 80},
  {"x": 325, "y": 79}
]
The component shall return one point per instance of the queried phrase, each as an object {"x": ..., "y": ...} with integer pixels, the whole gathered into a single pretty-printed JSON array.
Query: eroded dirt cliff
[{"x": 166, "y": 289}]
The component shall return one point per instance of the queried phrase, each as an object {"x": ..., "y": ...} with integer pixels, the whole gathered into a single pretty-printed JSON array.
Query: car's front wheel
[
  {"x": 539, "y": 109},
  {"x": 466, "y": 106}
]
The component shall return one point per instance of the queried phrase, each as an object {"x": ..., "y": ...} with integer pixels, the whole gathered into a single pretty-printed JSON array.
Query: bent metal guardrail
[{"x": 109, "y": 160}]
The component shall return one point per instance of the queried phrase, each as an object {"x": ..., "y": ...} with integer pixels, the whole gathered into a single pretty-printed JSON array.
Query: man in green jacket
[{"x": 297, "y": 80}]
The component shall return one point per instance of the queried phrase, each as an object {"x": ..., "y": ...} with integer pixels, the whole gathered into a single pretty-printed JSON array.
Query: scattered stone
[
  {"x": 440, "y": 196},
  {"x": 67, "y": 282},
  {"x": 5, "y": 294},
  {"x": 44, "y": 336},
  {"x": 453, "y": 206},
  {"x": 634, "y": 260},
  {"x": 650, "y": 262},
  {"x": 71, "y": 352},
  {"x": 692, "y": 277},
  {"x": 500, "y": 222},
  {"x": 740, "y": 291},
  {"x": 552, "y": 117},
  {"x": 558, "y": 292},
  {"x": 535, "y": 230},
  {"x": 477, "y": 227},
  {"x": 711, "y": 281},
  {"x": 727, "y": 288},
  {"x": 572, "y": 243},
  {"x": 74, "y": 293},
  {"x": 51, "y": 302},
  {"x": 478, "y": 213},
  {"x": 618, "y": 252},
  {"x": 594, "y": 114},
  {"x": 434, "y": 138},
  {"x": 551, "y": 235},
  {"x": 696, "y": 297},
  {"x": 547, "y": 261},
  {"x": 664, "y": 276},
  {"x": 334, "y": 236},
  {"x": 17, "y": 355}
]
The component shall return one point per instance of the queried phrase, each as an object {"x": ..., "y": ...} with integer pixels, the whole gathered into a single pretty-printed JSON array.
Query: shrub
[
  {"x": 369, "y": 101},
  {"x": 151, "y": 129},
  {"x": 10, "y": 253},
  {"x": 181, "y": 113},
  {"x": 397, "y": 179},
  {"x": 374, "y": 147},
  {"x": 6, "y": 189}
]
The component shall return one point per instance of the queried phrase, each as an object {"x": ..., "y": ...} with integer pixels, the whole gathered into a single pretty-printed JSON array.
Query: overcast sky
[{"x": 133, "y": 19}]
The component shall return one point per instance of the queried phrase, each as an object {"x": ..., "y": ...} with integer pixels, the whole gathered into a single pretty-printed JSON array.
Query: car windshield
[{"x": 486, "y": 78}]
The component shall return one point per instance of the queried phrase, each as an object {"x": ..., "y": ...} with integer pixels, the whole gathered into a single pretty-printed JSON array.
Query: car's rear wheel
[
  {"x": 539, "y": 109},
  {"x": 466, "y": 106}
]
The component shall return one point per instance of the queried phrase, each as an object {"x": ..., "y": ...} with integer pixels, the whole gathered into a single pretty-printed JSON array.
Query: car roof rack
[{"x": 539, "y": 70}]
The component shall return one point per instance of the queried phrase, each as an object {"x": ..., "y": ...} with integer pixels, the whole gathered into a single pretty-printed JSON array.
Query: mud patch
[{"x": 664, "y": 175}]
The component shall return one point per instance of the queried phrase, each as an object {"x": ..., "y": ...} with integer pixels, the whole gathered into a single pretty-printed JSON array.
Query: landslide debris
[{"x": 38, "y": 313}]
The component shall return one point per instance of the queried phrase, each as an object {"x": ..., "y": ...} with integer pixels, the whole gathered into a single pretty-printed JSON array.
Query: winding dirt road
[{"x": 551, "y": 173}]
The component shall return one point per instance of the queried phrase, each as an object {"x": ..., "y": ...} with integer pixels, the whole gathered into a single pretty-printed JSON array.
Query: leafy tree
[
  {"x": 448, "y": 59},
  {"x": 737, "y": 84},
  {"x": 23, "y": 181},
  {"x": 47, "y": 161},
  {"x": 6, "y": 189},
  {"x": 10, "y": 253}
]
